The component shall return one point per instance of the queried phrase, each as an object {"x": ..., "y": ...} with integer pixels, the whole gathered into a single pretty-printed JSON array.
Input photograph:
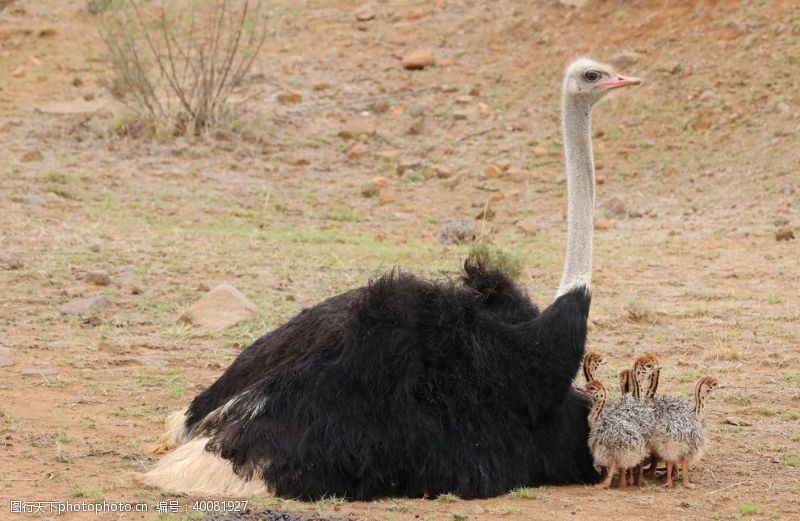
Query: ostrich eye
[{"x": 591, "y": 76}]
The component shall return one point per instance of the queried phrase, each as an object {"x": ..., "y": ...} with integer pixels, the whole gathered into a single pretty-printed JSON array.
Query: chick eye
[{"x": 591, "y": 76}]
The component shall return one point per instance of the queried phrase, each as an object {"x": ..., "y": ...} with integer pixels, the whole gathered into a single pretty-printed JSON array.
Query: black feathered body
[{"x": 407, "y": 387}]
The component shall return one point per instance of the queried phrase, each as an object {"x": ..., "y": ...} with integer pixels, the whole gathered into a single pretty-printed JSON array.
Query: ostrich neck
[
  {"x": 580, "y": 194},
  {"x": 698, "y": 403},
  {"x": 653, "y": 387},
  {"x": 597, "y": 408}
]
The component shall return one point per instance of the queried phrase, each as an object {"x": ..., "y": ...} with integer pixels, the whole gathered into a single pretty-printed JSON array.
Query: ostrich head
[
  {"x": 596, "y": 390},
  {"x": 591, "y": 361},
  {"x": 705, "y": 385},
  {"x": 587, "y": 81},
  {"x": 643, "y": 369}
]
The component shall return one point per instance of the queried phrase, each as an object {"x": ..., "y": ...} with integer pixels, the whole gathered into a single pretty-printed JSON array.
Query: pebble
[
  {"x": 442, "y": 171},
  {"x": 14, "y": 263},
  {"x": 84, "y": 305},
  {"x": 614, "y": 207},
  {"x": 357, "y": 127},
  {"x": 492, "y": 171},
  {"x": 418, "y": 59},
  {"x": 784, "y": 234},
  {"x": 601, "y": 224},
  {"x": 290, "y": 97},
  {"x": 386, "y": 196},
  {"x": 540, "y": 151},
  {"x": 529, "y": 227},
  {"x": 45, "y": 371},
  {"x": 356, "y": 151},
  {"x": 31, "y": 155},
  {"x": 222, "y": 307},
  {"x": 98, "y": 277},
  {"x": 34, "y": 200},
  {"x": 459, "y": 232},
  {"x": 365, "y": 14}
]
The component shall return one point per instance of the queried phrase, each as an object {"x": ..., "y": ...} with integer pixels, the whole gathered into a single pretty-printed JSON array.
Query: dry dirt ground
[{"x": 704, "y": 156}]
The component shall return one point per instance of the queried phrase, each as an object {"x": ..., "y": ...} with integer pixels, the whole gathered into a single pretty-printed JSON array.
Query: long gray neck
[{"x": 576, "y": 125}]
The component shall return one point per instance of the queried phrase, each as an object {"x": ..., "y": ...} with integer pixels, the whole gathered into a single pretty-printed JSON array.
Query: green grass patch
[{"x": 747, "y": 508}]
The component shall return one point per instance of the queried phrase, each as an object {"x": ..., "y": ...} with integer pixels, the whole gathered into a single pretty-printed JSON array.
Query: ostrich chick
[
  {"x": 591, "y": 363},
  {"x": 679, "y": 435},
  {"x": 615, "y": 442}
]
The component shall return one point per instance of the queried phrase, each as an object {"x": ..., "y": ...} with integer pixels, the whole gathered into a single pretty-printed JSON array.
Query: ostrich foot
[
  {"x": 685, "y": 472},
  {"x": 668, "y": 481},
  {"x": 606, "y": 483},
  {"x": 623, "y": 482}
]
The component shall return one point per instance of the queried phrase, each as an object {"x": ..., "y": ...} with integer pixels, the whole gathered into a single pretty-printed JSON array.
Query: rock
[
  {"x": 601, "y": 224},
  {"x": 485, "y": 214},
  {"x": 737, "y": 422},
  {"x": 356, "y": 151},
  {"x": 290, "y": 97},
  {"x": 415, "y": 14},
  {"x": 418, "y": 59},
  {"x": 459, "y": 232},
  {"x": 784, "y": 234},
  {"x": 365, "y": 14},
  {"x": 84, "y": 305},
  {"x": 221, "y": 308},
  {"x": 386, "y": 196},
  {"x": 370, "y": 189},
  {"x": 492, "y": 171},
  {"x": 40, "y": 372},
  {"x": 34, "y": 200},
  {"x": 540, "y": 151},
  {"x": 529, "y": 227},
  {"x": 357, "y": 127},
  {"x": 614, "y": 208},
  {"x": 380, "y": 181},
  {"x": 407, "y": 164},
  {"x": 442, "y": 171},
  {"x": 31, "y": 155},
  {"x": 625, "y": 59},
  {"x": 14, "y": 263},
  {"x": 98, "y": 277},
  {"x": 504, "y": 164}
]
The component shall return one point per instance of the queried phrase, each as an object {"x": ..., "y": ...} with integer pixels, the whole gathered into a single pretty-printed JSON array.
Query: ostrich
[{"x": 409, "y": 387}]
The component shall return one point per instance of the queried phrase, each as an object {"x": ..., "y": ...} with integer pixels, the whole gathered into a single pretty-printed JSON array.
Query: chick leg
[
  {"x": 669, "y": 473},
  {"x": 685, "y": 472},
  {"x": 623, "y": 482},
  {"x": 651, "y": 471},
  {"x": 640, "y": 474},
  {"x": 612, "y": 468}
]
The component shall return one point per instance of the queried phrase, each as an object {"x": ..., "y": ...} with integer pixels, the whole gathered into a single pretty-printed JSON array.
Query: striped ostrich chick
[
  {"x": 591, "y": 363},
  {"x": 615, "y": 442},
  {"x": 679, "y": 436},
  {"x": 634, "y": 405}
]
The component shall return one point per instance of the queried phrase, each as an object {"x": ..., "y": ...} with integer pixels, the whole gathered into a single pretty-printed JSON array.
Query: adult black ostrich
[{"x": 407, "y": 387}]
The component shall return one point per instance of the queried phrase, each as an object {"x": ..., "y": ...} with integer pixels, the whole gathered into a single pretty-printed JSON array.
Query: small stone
[
  {"x": 19, "y": 72},
  {"x": 357, "y": 127},
  {"x": 540, "y": 151},
  {"x": 614, "y": 208},
  {"x": 221, "y": 308},
  {"x": 459, "y": 232},
  {"x": 93, "y": 320},
  {"x": 84, "y": 305},
  {"x": 486, "y": 214},
  {"x": 415, "y": 14},
  {"x": 77, "y": 82},
  {"x": 386, "y": 196},
  {"x": 34, "y": 200},
  {"x": 365, "y": 14},
  {"x": 625, "y": 59},
  {"x": 290, "y": 97},
  {"x": 442, "y": 171},
  {"x": 31, "y": 155},
  {"x": 380, "y": 181},
  {"x": 784, "y": 234},
  {"x": 492, "y": 171},
  {"x": 45, "y": 371},
  {"x": 98, "y": 277},
  {"x": 600, "y": 178},
  {"x": 14, "y": 263},
  {"x": 406, "y": 165},
  {"x": 504, "y": 164},
  {"x": 418, "y": 59},
  {"x": 738, "y": 422},
  {"x": 94, "y": 248},
  {"x": 529, "y": 227},
  {"x": 601, "y": 224},
  {"x": 356, "y": 151}
]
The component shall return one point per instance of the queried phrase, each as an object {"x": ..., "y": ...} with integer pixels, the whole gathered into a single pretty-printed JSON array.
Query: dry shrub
[{"x": 175, "y": 63}]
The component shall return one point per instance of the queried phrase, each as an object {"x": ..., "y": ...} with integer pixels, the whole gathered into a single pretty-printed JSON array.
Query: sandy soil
[{"x": 703, "y": 156}]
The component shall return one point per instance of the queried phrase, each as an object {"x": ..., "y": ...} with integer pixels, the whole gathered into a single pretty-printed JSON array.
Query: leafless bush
[{"x": 176, "y": 62}]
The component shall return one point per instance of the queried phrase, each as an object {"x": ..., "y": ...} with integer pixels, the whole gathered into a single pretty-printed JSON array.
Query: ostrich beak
[{"x": 619, "y": 81}]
